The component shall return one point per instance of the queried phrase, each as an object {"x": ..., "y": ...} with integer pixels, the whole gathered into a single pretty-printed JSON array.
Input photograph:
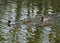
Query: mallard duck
[
  {"x": 46, "y": 22},
  {"x": 26, "y": 21}
]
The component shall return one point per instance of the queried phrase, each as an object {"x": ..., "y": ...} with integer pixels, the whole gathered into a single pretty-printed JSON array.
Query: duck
[
  {"x": 46, "y": 22},
  {"x": 26, "y": 21}
]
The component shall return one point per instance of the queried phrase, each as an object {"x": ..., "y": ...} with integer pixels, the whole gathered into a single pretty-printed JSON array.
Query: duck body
[
  {"x": 46, "y": 22},
  {"x": 26, "y": 21}
]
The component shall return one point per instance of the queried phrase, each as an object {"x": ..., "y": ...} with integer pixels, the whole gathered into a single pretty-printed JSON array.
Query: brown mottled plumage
[
  {"x": 25, "y": 21},
  {"x": 46, "y": 22}
]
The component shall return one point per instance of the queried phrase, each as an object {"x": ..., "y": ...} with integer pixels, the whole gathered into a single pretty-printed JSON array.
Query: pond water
[{"x": 21, "y": 21}]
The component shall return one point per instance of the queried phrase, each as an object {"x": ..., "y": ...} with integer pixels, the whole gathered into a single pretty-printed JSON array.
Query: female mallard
[
  {"x": 46, "y": 22},
  {"x": 26, "y": 21}
]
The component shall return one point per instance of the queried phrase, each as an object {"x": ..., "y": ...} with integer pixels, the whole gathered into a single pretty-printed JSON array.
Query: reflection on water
[
  {"x": 20, "y": 21},
  {"x": 45, "y": 35}
]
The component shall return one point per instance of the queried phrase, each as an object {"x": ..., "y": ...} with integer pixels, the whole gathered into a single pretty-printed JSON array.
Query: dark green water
[{"x": 13, "y": 30}]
